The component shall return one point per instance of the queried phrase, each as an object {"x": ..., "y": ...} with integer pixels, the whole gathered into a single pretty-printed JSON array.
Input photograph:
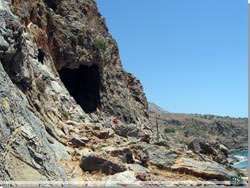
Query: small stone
[
  {"x": 106, "y": 133},
  {"x": 84, "y": 139},
  {"x": 86, "y": 152},
  {"x": 123, "y": 178},
  {"x": 137, "y": 168},
  {"x": 78, "y": 141}
]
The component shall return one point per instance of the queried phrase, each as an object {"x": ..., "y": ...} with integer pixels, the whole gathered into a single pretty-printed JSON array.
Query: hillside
[{"x": 183, "y": 128}]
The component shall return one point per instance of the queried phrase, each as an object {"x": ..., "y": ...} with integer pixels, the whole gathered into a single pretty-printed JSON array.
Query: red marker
[{"x": 115, "y": 121}]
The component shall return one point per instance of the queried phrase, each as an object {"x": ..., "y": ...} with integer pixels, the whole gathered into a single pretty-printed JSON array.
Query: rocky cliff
[
  {"x": 69, "y": 111},
  {"x": 58, "y": 63},
  {"x": 78, "y": 50}
]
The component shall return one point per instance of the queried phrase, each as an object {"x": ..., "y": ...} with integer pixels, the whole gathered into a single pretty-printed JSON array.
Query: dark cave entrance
[
  {"x": 51, "y": 4},
  {"x": 40, "y": 55},
  {"x": 84, "y": 85}
]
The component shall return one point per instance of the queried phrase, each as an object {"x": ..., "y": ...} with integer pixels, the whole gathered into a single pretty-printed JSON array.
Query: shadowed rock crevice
[
  {"x": 51, "y": 4},
  {"x": 84, "y": 85},
  {"x": 40, "y": 55}
]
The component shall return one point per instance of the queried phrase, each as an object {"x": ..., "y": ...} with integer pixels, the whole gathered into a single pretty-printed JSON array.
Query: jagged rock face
[
  {"x": 23, "y": 139},
  {"x": 57, "y": 63},
  {"x": 75, "y": 39}
]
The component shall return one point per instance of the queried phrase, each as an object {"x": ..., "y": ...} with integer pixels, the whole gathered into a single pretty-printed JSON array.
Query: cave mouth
[
  {"x": 51, "y": 4},
  {"x": 84, "y": 85}
]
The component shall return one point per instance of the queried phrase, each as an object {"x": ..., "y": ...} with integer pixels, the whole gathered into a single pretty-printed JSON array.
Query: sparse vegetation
[
  {"x": 66, "y": 115},
  {"x": 100, "y": 44},
  {"x": 42, "y": 3},
  {"x": 73, "y": 40},
  {"x": 165, "y": 137},
  {"x": 6, "y": 105},
  {"x": 169, "y": 130}
]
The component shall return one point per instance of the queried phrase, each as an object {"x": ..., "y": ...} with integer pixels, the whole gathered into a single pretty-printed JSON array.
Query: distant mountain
[{"x": 153, "y": 108}]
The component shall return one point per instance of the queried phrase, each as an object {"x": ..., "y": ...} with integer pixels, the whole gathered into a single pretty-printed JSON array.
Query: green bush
[
  {"x": 165, "y": 137},
  {"x": 73, "y": 39},
  {"x": 169, "y": 130},
  {"x": 66, "y": 115},
  {"x": 6, "y": 105},
  {"x": 100, "y": 44}
]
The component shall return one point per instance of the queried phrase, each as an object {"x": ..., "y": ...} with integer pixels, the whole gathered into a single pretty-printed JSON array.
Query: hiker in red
[{"x": 115, "y": 121}]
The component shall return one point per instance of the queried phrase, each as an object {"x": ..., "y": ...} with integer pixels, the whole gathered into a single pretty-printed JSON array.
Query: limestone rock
[
  {"x": 124, "y": 178},
  {"x": 23, "y": 136},
  {"x": 157, "y": 155},
  {"x": 206, "y": 170},
  {"x": 137, "y": 168}
]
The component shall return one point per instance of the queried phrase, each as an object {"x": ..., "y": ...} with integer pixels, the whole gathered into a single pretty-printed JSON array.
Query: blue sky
[{"x": 190, "y": 55}]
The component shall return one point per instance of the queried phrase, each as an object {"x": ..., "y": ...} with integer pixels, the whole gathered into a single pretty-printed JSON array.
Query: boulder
[
  {"x": 97, "y": 164},
  {"x": 206, "y": 170},
  {"x": 125, "y": 154},
  {"x": 159, "y": 156},
  {"x": 195, "y": 145}
]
